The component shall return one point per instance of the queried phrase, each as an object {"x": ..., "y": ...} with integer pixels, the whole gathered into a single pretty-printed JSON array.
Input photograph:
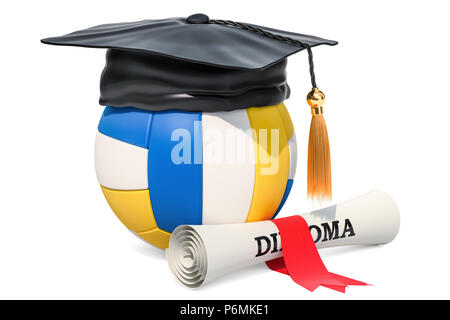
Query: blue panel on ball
[
  {"x": 175, "y": 173},
  {"x": 129, "y": 125},
  {"x": 285, "y": 196}
]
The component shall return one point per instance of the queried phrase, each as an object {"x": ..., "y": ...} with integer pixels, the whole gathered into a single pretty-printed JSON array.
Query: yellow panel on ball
[
  {"x": 157, "y": 237},
  {"x": 133, "y": 208},
  {"x": 287, "y": 120},
  {"x": 272, "y": 164}
]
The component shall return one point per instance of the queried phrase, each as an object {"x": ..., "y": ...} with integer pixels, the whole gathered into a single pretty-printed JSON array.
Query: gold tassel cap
[{"x": 319, "y": 160}]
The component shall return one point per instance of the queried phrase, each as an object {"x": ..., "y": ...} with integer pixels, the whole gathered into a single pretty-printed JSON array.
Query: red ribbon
[{"x": 301, "y": 260}]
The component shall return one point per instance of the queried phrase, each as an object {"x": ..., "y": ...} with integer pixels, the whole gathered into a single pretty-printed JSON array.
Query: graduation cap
[{"x": 201, "y": 64}]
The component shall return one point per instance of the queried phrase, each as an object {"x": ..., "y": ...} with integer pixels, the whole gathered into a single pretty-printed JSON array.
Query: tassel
[{"x": 319, "y": 161}]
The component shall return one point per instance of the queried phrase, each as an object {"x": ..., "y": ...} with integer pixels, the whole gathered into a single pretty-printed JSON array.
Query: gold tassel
[{"x": 319, "y": 161}]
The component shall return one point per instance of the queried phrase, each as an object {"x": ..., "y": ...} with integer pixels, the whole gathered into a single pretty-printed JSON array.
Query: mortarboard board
[{"x": 192, "y": 64}]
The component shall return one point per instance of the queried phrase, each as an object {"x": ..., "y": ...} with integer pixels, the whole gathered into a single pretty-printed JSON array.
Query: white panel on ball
[
  {"x": 120, "y": 165},
  {"x": 292, "y": 156},
  {"x": 228, "y": 167}
]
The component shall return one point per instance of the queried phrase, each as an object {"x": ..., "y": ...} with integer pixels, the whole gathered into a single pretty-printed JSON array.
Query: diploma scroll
[{"x": 198, "y": 254}]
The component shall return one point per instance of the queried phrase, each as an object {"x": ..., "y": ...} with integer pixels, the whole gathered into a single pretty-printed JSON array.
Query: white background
[{"x": 387, "y": 112}]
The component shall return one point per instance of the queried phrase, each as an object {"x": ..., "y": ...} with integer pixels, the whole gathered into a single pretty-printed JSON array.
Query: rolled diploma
[{"x": 198, "y": 254}]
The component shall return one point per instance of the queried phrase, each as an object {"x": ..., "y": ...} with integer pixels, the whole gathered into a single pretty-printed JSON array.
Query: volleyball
[{"x": 159, "y": 170}]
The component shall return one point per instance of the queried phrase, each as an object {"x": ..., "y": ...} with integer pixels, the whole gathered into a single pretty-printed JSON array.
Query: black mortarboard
[{"x": 193, "y": 64}]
